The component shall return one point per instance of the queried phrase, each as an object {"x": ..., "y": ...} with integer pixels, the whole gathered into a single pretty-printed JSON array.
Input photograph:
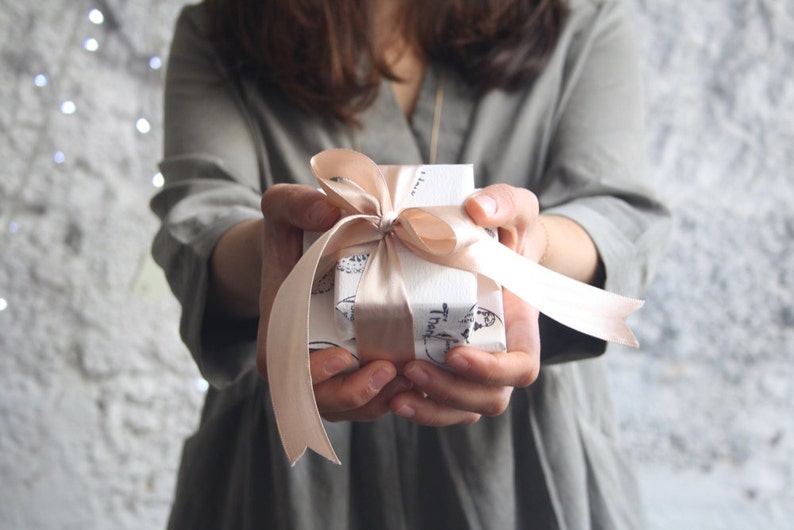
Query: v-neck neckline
[{"x": 388, "y": 136}]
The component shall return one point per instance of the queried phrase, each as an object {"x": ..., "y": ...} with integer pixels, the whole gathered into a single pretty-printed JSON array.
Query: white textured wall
[
  {"x": 97, "y": 392},
  {"x": 708, "y": 405}
]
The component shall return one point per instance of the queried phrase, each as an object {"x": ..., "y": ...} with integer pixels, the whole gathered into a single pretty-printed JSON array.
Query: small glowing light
[
  {"x": 41, "y": 80},
  {"x": 200, "y": 383},
  {"x": 68, "y": 107},
  {"x": 158, "y": 181},
  {"x": 96, "y": 16},
  {"x": 13, "y": 227},
  {"x": 155, "y": 63},
  {"x": 143, "y": 125},
  {"x": 3, "y": 304},
  {"x": 59, "y": 157},
  {"x": 91, "y": 44}
]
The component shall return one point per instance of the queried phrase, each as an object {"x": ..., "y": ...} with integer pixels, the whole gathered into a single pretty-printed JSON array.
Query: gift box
[
  {"x": 375, "y": 201},
  {"x": 450, "y": 307}
]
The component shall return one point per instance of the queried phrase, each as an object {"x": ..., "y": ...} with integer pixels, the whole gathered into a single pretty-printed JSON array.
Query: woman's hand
[
  {"x": 360, "y": 395},
  {"x": 483, "y": 382}
]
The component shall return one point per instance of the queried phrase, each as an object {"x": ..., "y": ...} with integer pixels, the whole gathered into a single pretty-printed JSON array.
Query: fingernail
[
  {"x": 403, "y": 386},
  {"x": 458, "y": 363},
  {"x": 319, "y": 211},
  {"x": 380, "y": 379},
  {"x": 334, "y": 365},
  {"x": 405, "y": 411},
  {"x": 417, "y": 375},
  {"x": 486, "y": 202}
]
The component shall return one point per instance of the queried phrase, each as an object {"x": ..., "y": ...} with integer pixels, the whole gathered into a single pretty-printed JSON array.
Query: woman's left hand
[{"x": 482, "y": 382}]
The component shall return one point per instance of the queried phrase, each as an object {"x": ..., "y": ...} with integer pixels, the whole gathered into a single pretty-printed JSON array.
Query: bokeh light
[
  {"x": 143, "y": 125},
  {"x": 96, "y": 16},
  {"x": 68, "y": 107}
]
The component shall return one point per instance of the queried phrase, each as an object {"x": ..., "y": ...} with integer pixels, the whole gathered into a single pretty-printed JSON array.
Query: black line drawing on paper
[
  {"x": 440, "y": 335},
  {"x": 324, "y": 284},
  {"x": 352, "y": 264},
  {"x": 418, "y": 183},
  {"x": 323, "y": 344},
  {"x": 347, "y": 308},
  {"x": 485, "y": 319}
]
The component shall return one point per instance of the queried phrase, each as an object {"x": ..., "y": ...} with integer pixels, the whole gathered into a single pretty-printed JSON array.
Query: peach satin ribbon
[{"x": 440, "y": 234}]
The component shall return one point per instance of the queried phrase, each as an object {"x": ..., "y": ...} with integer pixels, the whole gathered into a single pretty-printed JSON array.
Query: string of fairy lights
[
  {"x": 49, "y": 83},
  {"x": 68, "y": 106},
  {"x": 44, "y": 81}
]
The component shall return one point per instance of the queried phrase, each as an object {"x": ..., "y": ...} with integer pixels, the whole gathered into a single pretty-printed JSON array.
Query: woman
[{"x": 544, "y": 99}]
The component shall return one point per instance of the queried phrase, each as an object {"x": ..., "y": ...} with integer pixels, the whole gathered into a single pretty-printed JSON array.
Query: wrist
[
  {"x": 568, "y": 249},
  {"x": 235, "y": 271},
  {"x": 544, "y": 254}
]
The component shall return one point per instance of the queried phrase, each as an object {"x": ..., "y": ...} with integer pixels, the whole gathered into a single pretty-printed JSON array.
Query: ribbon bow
[{"x": 445, "y": 235}]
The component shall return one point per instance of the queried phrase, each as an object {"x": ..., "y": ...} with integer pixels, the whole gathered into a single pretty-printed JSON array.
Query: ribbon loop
[
  {"x": 339, "y": 171},
  {"x": 420, "y": 229}
]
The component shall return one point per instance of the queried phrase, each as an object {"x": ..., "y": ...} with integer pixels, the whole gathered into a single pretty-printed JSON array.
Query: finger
[
  {"x": 348, "y": 392},
  {"x": 511, "y": 369},
  {"x": 328, "y": 362},
  {"x": 288, "y": 209},
  {"x": 416, "y": 407},
  {"x": 377, "y": 407},
  {"x": 300, "y": 206},
  {"x": 451, "y": 390},
  {"x": 519, "y": 367},
  {"x": 502, "y": 205},
  {"x": 522, "y": 329}
]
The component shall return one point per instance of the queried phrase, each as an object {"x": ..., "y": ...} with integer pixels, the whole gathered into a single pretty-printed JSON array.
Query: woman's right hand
[{"x": 360, "y": 395}]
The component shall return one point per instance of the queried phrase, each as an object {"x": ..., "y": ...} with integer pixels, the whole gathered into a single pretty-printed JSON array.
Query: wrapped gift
[
  {"x": 378, "y": 220},
  {"x": 449, "y": 307}
]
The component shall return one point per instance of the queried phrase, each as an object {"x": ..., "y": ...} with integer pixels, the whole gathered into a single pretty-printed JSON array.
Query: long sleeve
[
  {"x": 575, "y": 137},
  {"x": 212, "y": 182},
  {"x": 595, "y": 171}
]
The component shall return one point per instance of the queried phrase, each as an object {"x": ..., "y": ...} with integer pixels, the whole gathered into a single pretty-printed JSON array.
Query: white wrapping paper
[{"x": 450, "y": 307}]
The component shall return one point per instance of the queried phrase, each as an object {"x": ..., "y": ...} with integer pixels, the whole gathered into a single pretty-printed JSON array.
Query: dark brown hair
[{"x": 323, "y": 56}]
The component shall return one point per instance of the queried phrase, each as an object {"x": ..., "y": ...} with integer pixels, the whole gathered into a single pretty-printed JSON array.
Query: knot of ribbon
[
  {"x": 386, "y": 223},
  {"x": 373, "y": 215}
]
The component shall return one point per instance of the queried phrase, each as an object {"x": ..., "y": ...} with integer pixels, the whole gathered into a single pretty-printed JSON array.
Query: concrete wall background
[{"x": 97, "y": 392}]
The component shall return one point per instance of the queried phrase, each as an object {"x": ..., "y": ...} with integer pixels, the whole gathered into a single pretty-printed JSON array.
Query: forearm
[
  {"x": 235, "y": 271},
  {"x": 569, "y": 250}
]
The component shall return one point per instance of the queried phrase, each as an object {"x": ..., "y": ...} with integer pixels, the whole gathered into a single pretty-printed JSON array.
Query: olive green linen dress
[{"x": 552, "y": 461}]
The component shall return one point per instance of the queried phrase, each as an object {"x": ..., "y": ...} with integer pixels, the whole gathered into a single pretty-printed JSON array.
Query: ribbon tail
[
  {"x": 577, "y": 305},
  {"x": 289, "y": 371}
]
